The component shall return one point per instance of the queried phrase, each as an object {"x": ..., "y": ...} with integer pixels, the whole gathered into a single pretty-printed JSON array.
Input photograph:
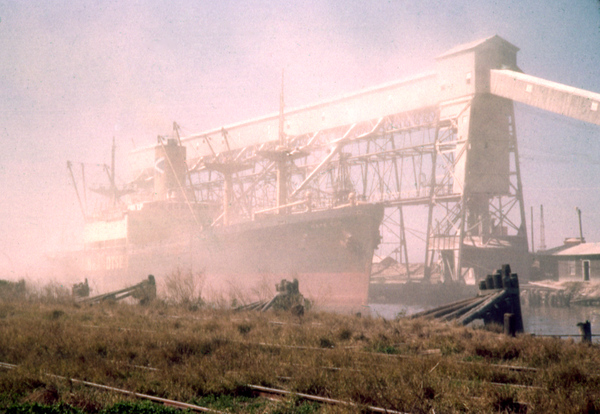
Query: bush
[{"x": 184, "y": 288}]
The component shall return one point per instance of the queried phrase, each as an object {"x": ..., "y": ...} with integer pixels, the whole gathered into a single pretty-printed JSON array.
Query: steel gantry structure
[{"x": 439, "y": 150}]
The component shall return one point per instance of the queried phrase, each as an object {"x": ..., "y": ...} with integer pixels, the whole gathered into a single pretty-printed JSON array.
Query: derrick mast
[{"x": 169, "y": 169}]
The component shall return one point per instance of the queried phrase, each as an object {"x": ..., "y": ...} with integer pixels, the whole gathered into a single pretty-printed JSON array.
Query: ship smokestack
[{"x": 169, "y": 169}]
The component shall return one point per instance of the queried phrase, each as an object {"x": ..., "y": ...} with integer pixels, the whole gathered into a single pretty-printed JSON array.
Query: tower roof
[{"x": 492, "y": 41}]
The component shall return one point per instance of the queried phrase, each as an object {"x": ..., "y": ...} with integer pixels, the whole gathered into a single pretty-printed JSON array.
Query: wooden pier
[{"x": 498, "y": 302}]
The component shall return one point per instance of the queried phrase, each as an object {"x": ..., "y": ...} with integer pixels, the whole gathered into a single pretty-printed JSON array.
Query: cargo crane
[{"x": 442, "y": 142}]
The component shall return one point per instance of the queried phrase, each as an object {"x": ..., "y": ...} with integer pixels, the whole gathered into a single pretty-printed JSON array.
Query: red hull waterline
[{"x": 328, "y": 251}]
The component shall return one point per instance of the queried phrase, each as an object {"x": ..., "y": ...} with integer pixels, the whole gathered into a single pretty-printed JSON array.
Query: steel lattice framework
[
  {"x": 404, "y": 160},
  {"x": 438, "y": 150}
]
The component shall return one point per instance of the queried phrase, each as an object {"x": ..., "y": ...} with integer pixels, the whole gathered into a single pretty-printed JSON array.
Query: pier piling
[
  {"x": 498, "y": 302},
  {"x": 509, "y": 324},
  {"x": 586, "y": 331}
]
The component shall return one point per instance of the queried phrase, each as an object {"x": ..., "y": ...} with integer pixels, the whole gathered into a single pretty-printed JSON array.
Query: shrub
[{"x": 184, "y": 288}]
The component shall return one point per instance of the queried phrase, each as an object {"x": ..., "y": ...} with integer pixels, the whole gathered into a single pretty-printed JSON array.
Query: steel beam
[{"x": 550, "y": 96}]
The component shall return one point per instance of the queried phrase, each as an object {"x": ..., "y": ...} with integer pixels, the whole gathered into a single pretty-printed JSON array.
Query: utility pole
[
  {"x": 580, "y": 227},
  {"x": 532, "y": 241},
  {"x": 542, "y": 229}
]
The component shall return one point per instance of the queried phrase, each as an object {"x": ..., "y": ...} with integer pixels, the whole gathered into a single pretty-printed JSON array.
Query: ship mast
[
  {"x": 111, "y": 176},
  {"x": 112, "y": 173},
  {"x": 70, "y": 168},
  {"x": 282, "y": 162}
]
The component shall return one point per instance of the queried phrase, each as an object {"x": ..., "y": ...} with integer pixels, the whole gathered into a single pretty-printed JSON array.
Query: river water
[{"x": 541, "y": 321}]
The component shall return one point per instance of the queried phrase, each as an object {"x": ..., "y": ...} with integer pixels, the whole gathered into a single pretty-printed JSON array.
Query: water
[
  {"x": 560, "y": 321},
  {"x": 390, "y": 311},
  {"x": 536, "y": 320}
]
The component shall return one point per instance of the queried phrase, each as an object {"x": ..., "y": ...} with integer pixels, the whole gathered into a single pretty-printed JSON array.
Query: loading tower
[{"x": 438, "y": 149}]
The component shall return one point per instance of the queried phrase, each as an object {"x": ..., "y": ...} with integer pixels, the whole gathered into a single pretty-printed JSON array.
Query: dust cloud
[{"x": 75, "y": 75}]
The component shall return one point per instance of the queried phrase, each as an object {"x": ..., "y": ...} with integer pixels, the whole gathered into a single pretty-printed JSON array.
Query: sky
[{"x": 75, "y": 74}]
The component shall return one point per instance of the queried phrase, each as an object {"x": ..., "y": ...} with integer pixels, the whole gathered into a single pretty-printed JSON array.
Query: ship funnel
[{"x": 169, "y": 169}]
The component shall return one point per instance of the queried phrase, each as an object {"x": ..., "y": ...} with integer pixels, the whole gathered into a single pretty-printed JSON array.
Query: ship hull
[{"x": 329, "y": 252}]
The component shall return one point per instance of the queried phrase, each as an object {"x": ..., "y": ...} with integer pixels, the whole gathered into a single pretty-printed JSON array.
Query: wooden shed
[{"x": 575, "y": 260}]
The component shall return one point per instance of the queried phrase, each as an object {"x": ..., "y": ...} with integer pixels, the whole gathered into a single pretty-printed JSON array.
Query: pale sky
[{"x": 73, "y": 74}]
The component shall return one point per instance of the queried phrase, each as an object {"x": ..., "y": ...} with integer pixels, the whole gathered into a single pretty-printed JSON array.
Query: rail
[{"x": 198, "y": 408}]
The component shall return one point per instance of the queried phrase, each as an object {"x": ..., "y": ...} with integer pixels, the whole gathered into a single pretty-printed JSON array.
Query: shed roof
[{"x": 583, "y": 249}]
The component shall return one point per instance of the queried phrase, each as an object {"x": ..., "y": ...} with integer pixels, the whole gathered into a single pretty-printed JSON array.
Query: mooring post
[
  {"x": 510, "y": 328},
  {"x": 511, "y": 285},
  {"x": 586, "y": 332}
]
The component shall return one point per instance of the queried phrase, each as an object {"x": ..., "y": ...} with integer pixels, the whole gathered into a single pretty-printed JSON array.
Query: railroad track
[{"x": 265, "y": 392}]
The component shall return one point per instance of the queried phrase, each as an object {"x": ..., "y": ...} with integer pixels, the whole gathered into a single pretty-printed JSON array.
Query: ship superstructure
[{"x": 163, "y": 228}]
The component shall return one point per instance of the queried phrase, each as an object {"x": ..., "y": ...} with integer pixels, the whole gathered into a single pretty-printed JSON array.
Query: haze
[{"x": 73, "y": 75}]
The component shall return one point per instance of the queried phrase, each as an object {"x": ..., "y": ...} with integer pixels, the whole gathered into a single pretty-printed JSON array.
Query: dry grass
[
  {"x": 209, "y": 356},
  {"x": 184, "y": 288}
]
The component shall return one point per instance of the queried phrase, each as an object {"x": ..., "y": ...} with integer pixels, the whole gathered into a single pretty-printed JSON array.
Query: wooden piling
[
  {"x": 497, "y": 280},
  {"x": 489, "y": 282},
  {"x": 509, "y": 324},
  {"x": 499, "y": 296},
  {"x": 586, "y": 331}
]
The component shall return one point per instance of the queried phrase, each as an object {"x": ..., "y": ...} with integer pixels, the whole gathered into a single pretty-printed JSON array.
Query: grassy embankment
[{"x": 209, "y": 357}]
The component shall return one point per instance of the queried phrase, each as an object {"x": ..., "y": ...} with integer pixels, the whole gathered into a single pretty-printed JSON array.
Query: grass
[{"x": 208, "y": 357}]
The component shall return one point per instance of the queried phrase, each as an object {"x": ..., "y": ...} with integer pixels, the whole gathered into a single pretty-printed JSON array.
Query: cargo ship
[{"x": 162, "y": 228}]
